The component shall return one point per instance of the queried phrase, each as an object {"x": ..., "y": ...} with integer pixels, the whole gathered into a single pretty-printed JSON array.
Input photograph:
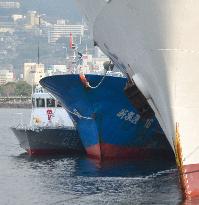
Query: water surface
[{"x": 78, "y": 180}]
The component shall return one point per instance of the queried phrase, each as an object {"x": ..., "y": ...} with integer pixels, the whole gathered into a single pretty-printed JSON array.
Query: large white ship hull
[{"x": 157, "y": 43}]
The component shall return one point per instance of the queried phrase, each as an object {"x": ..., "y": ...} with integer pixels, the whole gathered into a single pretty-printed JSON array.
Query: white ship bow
[{"x": 157, "y": 43}]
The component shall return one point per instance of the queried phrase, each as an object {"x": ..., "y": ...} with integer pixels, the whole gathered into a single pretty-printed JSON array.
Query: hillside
[{"x": 53, "y": 9}]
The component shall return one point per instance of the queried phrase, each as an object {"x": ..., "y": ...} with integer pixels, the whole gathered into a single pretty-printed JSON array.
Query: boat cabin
[
  {"x": 42, "y": 102},
  {"x": 42, "y": 99},
  {"x": 47, "y": 111}
]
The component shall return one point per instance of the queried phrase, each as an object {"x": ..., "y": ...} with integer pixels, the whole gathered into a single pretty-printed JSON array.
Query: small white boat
[{"x": 51, "y": 130}]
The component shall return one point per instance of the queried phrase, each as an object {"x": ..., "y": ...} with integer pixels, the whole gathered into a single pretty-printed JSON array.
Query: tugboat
[{"x": 51, "y": 130}]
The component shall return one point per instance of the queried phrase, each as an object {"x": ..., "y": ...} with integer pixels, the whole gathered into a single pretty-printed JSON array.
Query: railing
[{"x": 15, "y": 99}]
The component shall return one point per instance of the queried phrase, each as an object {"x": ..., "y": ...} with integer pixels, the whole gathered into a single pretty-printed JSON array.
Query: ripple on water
[{"x": 78, "y": 180}]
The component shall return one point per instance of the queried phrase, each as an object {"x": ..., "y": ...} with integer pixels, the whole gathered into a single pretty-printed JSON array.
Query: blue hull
[{"x": 108, "y": 124}]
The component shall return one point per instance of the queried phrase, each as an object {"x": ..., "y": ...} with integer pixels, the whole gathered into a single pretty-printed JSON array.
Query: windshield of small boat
[
  {"x": 40, "y": 102},
  {"x": 59, "y": 104},
  {"x": 50, "y": 102}
]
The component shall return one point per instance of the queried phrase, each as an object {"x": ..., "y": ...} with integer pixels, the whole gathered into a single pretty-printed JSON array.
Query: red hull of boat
[
  {"x": 190, "y": 180},
  {"x": 108, "y": 151}
]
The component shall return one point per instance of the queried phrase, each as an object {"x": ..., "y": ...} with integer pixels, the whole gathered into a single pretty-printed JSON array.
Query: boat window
[
  {"x": 33, "y": 102},
  {"x": 50, "y": 102},
  {"x": 40, "y": 102},
  {"x": 59, "y": 104}
]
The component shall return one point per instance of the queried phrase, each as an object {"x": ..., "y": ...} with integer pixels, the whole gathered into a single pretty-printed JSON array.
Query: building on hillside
[
  {"x": 17, "y": 17},
  {"x": 61, "y": 29},
  {"x": 6, "y": 76},
  {"x": 6, "y": 24},
  {"x": 33, "y": 73},
  {"x": 56, "y": 70},
  {"x": 32, "y": 18},
  {"x": 9, "y": 5}
]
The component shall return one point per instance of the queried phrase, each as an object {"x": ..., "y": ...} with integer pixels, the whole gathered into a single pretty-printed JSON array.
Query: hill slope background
[{"x": 54, "y": 8}]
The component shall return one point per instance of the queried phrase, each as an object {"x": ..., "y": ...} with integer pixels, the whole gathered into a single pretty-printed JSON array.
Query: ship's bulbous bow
[{"x": 159, "y": 41}]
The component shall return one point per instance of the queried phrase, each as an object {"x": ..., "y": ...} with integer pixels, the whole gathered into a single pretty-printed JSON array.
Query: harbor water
[{"x": 77, "y": 179}]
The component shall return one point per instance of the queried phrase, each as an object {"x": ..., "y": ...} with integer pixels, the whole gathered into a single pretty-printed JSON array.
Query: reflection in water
[
  {"x": 81, "y": 180},
  {"x": 124, "y": 168},
  {"x": 78, "y": 180},
  {"x": 194, "y": 201}
]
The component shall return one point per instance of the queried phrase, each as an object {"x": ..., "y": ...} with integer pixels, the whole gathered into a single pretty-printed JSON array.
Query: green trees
[
  {"x": 23, "y": 88},
  {"x": 20, "y": 88},
  {"x": 8, "y": 89}
]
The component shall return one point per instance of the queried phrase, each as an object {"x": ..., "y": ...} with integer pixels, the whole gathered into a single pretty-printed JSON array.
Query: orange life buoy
[{"x": 84, "y": 80}]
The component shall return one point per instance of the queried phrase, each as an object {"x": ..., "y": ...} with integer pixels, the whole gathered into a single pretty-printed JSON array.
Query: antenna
[
  {"x": 71, "y": 41},
  {"x": 38, "y": 51},
  {"x": 38, "y": 55},
  {"x": 86, "y": 49}
]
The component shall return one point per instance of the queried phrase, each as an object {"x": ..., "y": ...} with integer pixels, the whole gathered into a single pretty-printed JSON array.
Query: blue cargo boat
[{"x": 108, "y": 124}]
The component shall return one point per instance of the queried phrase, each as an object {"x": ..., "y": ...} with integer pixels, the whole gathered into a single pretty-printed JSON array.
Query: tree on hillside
[
  {"x": 9, "y": 89},
  {"x": 23, "y": 88}
]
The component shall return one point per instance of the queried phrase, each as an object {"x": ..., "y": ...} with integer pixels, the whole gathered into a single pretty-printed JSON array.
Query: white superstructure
[
  {"x": 33, "y": 73},
  {"x": 48, "y": 112},
  {"x": 9, "y": 5},
  {"x": 6, "y": 76},
  {"x": 157, "y": 44}
]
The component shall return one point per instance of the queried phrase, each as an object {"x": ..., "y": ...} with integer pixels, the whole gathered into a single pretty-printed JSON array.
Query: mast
[{"x": 38, "y": 50}]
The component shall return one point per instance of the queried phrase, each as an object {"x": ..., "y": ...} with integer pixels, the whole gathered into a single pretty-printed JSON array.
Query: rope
[
  {"x": 75, "y": 112},
  {"x": 79, "y": 115},
  {"x": 94, "y": 87},
  {"x": 86, "y": 83}
]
